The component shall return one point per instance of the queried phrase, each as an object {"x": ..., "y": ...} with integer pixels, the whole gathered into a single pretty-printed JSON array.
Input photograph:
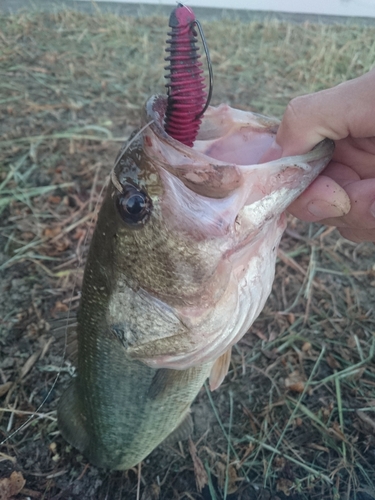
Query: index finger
[{"x": 336, "y": 113}]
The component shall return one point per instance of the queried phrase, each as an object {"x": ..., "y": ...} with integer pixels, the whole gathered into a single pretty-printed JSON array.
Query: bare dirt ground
[{"x": 295, "y": 416}]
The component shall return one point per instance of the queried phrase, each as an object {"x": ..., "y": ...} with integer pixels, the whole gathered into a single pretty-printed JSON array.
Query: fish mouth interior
[
  {"x": 241, "y": 146},
  {"x": 226, "y": 134}
]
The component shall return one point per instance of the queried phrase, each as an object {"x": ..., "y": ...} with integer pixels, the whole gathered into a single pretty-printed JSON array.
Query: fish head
[{"x": 194, "y": 232}]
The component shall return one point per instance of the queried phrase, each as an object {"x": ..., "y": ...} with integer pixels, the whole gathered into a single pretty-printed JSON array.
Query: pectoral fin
[
  {"x": 160, "y": 383},
  {"x": 182, "y": 431},
  {"x": 220, "y": 369}
]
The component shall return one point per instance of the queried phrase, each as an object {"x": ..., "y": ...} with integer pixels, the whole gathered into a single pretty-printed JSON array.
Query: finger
[
  {"x": 358, "y": 235},
  {"x": 361, "y": 216},
  {"x": 359, "y": 154},
  {"x": 341, "y": 173},
  {"x": 334, "y": 113},
  {"x": 323, "y": 199}
]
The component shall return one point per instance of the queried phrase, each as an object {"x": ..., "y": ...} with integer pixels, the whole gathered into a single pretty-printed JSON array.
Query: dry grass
[{"x": 296, "y": 413}]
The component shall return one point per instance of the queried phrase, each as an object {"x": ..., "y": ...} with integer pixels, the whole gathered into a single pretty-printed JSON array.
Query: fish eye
[{"x": 133, "y": 205}]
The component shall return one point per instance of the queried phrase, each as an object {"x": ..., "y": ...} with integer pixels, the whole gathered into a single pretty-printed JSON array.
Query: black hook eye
[{"x": 133, "y": 205}]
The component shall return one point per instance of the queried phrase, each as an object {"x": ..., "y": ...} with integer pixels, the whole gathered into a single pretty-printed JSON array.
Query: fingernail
[
  {"x": 324, "y": 210},
  {"x": 273, "y": 153}
]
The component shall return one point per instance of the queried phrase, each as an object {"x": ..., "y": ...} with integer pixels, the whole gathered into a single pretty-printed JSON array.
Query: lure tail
[{"x": 187, "y": 99}]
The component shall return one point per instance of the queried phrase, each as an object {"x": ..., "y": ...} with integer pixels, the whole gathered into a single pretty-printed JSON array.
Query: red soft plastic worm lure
[{"x": 187, "y": 100}]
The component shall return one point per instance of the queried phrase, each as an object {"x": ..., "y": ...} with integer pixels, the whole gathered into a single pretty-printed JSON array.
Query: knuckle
[{"x": 296, "y": 108}]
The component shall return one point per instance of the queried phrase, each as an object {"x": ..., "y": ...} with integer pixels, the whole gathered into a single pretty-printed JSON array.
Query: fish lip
[
  {"x": 324, "y": 148},
  {"x": 155, "y": 109}
]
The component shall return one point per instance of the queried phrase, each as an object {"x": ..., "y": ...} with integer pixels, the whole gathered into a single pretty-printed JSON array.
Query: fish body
[{"x": 181, "y": 263}]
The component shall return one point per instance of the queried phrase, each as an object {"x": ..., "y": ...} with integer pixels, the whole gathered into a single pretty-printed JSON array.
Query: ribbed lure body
[{"x": 186, "y": 95}]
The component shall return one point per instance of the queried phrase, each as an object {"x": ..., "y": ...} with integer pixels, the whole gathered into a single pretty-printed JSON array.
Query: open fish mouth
[
  {"x": 224, "y": 211},
  {"x": 227, "y": 156}
]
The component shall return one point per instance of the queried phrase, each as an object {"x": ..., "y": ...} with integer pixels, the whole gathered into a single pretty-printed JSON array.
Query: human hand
[{"x": 344, "y": 194}]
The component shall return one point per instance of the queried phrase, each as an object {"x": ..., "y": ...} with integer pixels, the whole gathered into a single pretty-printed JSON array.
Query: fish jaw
[{"x": 222, "y": 215}]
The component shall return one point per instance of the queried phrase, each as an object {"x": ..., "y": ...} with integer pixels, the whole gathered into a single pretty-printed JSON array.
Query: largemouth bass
[{"x": 181, "y": 263}]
